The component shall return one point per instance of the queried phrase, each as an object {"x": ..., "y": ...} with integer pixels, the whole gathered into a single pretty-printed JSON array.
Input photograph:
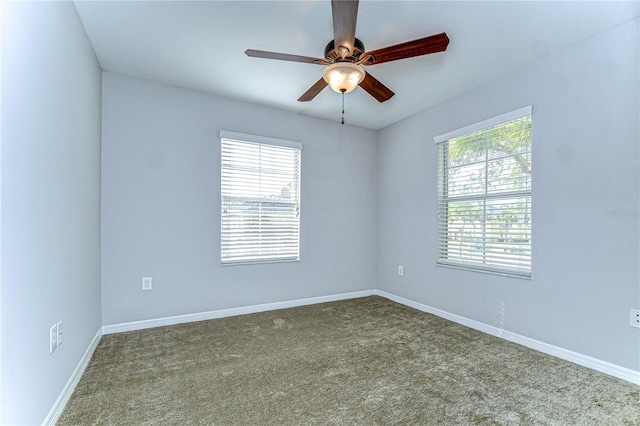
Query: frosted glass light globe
[{"x": 343, "y": 77}]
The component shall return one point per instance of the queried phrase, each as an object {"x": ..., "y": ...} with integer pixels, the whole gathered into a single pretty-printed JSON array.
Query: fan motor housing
[{"x": 332, "y": 55}]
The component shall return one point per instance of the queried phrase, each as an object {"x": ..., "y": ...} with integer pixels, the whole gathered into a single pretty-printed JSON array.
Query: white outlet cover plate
[
  {"x": 147, "y": 283},
  {"x": 634, "y": 320}
]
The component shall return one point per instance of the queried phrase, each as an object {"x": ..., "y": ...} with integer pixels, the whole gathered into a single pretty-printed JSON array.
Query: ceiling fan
[{"x": 345, "y": 55}]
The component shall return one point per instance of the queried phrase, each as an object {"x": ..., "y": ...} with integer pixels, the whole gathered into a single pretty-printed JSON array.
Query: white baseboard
[
  {"x": 558, "y": 352},
  {"x": 68, "y": 389},
  {"x": 203, "y": 316}
]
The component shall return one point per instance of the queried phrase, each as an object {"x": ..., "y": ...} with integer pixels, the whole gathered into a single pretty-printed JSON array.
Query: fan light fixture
[{"x": 343, "y": 77}]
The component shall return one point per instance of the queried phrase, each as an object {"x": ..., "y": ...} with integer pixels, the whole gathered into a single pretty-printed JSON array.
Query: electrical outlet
[
  {"x": 53, "y": 338},
  {"x": 634, "y": 321},
  {"x": 59, "y": 332},
  {"x": 147, "y": 283},
  {"x": 400, "y": 270}
]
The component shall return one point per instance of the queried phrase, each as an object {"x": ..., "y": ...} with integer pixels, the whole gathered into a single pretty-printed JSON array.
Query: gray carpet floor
[{"x": 356, "y": 362}]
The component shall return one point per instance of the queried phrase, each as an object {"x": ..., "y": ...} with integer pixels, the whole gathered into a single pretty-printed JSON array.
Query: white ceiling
[{"x": 200, "y": 45}]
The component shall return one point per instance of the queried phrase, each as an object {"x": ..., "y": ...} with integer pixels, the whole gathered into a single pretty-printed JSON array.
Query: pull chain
[{"x": 342, "y": 108}]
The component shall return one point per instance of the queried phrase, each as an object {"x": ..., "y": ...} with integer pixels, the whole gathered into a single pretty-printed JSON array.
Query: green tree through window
[{"x": 484, "y": 198}]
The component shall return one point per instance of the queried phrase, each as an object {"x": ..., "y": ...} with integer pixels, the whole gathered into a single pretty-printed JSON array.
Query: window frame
[
  {"x": 443, "y": 199},
  {"x": 257, "y": 258}
]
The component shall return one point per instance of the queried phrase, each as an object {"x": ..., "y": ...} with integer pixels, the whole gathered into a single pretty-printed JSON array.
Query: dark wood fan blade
[
  {"x": 409, "y": 49},
  {"x": 313, "y": 91},
  {"x": 345, "y": 13},
  {"x": 375, "y": 88},
  {"x": 284, "y": 57}
]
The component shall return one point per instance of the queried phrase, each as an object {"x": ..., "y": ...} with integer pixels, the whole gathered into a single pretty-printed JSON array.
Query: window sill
[
  {"x": 258, "y": 262},
  {"x": 503, "y": 273}
]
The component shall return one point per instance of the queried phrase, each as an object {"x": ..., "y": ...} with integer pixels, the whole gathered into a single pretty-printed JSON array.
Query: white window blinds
[
  {"x": 484, "y": 195},
  {"x": 260, "y": 191}
]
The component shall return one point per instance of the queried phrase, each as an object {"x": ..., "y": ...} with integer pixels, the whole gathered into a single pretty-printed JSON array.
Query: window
[
  {"x": 484, "y": 195},
  {"x": 260, "y": 191}
]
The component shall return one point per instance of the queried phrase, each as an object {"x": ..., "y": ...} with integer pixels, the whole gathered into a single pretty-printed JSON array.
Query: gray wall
[
  {"x": 50, "y": 203},
  {"x": 161, "y": 204},
  {"x": 585, "y": 162}
]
